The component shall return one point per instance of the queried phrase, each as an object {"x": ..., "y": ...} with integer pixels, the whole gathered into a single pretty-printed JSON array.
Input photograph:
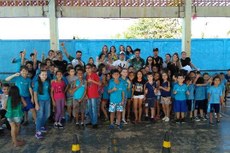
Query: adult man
[
  {"x": 186, "y": 62},
  {"x": 121, "y": 61},
  {"x": 137, "y": 62},
  {"x": 60, "y": 63},
  {"x": 157, "y": 60},
  {"x": 74, "y": 61}
]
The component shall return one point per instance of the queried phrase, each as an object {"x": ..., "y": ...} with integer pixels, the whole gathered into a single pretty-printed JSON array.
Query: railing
[{"x": 116, "y": 3}]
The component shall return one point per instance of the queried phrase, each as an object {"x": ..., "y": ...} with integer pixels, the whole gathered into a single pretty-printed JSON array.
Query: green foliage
[{"x": 153, "y": 28}]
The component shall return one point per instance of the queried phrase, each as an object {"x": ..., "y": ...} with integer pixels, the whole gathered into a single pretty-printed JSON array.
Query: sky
[{"x": 98, "y": 28}]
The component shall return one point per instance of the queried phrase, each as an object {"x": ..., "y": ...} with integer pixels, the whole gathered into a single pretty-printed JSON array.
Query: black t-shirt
[
  {"x": 61, "y": 65},
  {"x": 139, "y": 87},
  {"x": 186, "y": 61},
  {"x": 157, "y": 61}
]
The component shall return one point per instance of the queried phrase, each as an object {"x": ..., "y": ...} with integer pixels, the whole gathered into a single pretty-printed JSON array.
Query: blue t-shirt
[
  {"x": 215, "y": 94},
  {"x": 105, "y": 94},
  {"x": 191, "y": 89},
  {"x": 181, "y": 91},
  {"x": 151, "y": 88},
  {"x": 116, "y": 96},
  {"x": 45, "y": 90},
  {"x": 79, "y": 93},
  {"x": 200, "y": 92},
  {"x": 163, "y": 92},
  {"x": 24, "y": 84}
]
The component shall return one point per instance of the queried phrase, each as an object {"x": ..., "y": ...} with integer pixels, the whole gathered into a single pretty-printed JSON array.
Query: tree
[{"x": 154, "y": 28}]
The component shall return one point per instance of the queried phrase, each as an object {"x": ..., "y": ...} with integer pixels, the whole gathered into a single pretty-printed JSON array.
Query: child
[
  {"x": 138, "y": 96},
  {"x": 200, "y": 88},
  {"x": 42, "y": 103},
  {"x": 105, "y": 95},
  {"x": 71, "y": 82},
  {"x": 3, "y": 98},
  {"x": 180, "y": 90},
  {"x": 190, "y": 97},
  {"x": 79, "y": 92},
  {"x": 150, "y": 91},
  {"x": 158, "y": 94},
  {"x": 215, "y": 99},
  {"x": 117, "y": 97},
  {"x": 14, "y": 114},
  {"x": 165, "y": 96},
  {"x": 127, "y": 84},
  {"x": 24, "y": 84},
  {"x": 58, "y": 98},
  {"x": 129, "y": 95},
  {"x": 93, "y": 83}
]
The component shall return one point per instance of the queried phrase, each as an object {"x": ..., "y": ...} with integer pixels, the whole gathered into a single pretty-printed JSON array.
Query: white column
[
  {"x": 54, "y": 40},
  {"x": 186, "y": 28}
]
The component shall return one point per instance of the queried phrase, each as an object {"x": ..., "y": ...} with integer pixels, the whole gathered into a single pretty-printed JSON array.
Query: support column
[
  {"x": 54, "y": 39},
  {"x": 186, "y": 28}
]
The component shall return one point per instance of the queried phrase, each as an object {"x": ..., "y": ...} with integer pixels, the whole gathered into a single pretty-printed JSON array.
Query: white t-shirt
[
  {"x": 123, "y": 64},
  {"x": 3, "y": 101}
]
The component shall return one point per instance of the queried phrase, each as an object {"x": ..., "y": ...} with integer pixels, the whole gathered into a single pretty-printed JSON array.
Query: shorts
[
  {"x": 69, "y": 101},
  {"x": 165, "y": 100},
  {"x": 180, "y": 106},
  {"x": 158, "y": 97},
  {"x": 190, "y": 104},
  {"x": 214, "y": 108},
  {"x": 115, "y": 107},
  {"x": 199, "y": 104},
  {"x": 79, "y": 106},
  {"x": 150, "y": 102},
  {"x": 29, "y": 105},
  {"x": 139, "y": 96},
  {"x": 15, "y": 120}
]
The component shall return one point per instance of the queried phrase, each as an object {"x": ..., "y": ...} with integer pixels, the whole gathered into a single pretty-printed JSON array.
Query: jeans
[
  {"x": 92, "y": 108},
  {"x": 42, "y": 114}
]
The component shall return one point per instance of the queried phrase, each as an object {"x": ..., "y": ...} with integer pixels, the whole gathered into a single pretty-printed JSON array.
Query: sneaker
[
  {"x": 123, "y": 121},
  {"x": 146, "y": 118},
  {"x": 106, "y": 121},
  {"x": 82, "y": 123},
  {"x": 120, "y": 126},
  {"x": 38, "y": 135},
  {"x": 77, "y": 123},
  {"x": 177, "y": 121},
  {"x": 163, "y": 119},
  {"x": 211, "y": 123},
  {"x": 25, "y": 123},
  {"x": 203, "y": 119},
  {"x": 167, "y": 119},
  {"x": 95, "y": 126},
  {"x": 217, "y": 121},
  {"x": 111, "y": 126},
  {"x": 43, "y": 130},
  {"x": 197, "y": 119},
  {"x": 60, "y": 126},
  {"x": 152, "y": 120},
  {"x": 55, "y": 125},
  {"x": 183, "y": 120},
  {"x": 207, "y": 116}
]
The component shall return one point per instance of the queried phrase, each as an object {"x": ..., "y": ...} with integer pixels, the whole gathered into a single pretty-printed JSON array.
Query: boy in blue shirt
[
  {"x": 24, "y": 84},
  {"x": 215, "y": 99},
  {"x": 117, "y": 97},
  {"x": 180, "y": 90}
]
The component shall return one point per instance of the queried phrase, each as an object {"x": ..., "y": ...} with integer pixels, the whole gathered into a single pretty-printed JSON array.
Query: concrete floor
[{"x": 142, "y": 138}]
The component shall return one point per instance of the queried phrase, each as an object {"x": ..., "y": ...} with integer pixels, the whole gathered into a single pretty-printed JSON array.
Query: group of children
[{"x": 121, "y": 96}]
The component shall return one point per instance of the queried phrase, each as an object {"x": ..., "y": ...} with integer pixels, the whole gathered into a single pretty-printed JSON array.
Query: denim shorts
[
  {"x": 14, "y": 120},
  {"x": 29, "y": 105},
  {"x": 115, "y": 107}
]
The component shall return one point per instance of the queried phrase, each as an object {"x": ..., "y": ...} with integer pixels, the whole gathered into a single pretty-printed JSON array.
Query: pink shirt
[{"x": 58, "y": 89}]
